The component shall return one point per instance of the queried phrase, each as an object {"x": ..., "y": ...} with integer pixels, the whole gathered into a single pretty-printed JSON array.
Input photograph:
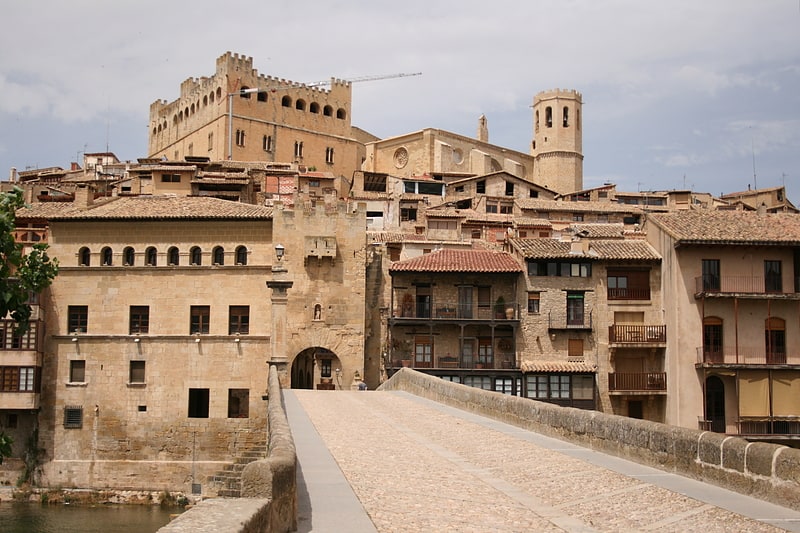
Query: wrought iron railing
[{"x": 745, "y": 355}]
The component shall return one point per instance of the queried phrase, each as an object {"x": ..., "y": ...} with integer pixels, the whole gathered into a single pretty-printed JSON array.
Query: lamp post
[
  {"x": 278, "y": 341},
  {"x": 240, "y": 92}
]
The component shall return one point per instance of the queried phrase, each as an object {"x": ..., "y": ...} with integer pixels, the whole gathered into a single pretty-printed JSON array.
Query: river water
[{"x": 26, "y": 517}]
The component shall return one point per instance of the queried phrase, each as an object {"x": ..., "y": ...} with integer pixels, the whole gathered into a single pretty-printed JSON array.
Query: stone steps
[{"x": 229, "y": 479}]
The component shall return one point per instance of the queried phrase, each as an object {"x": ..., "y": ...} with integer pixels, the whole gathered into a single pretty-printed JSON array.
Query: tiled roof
[
  {"x": 392, "y": 236},
  {"x": 371, "y": 195},
  {"x": 597, "y": 249},
  {"x": 459, "y": 261},
  {"x": 529, "y": 222},
  {"x": 600, "y": 231},
  {"x": 445, "y": 213},
  {"x": 730, "y": 227},
  {"x": 164, "y": 207},
  {"x": 557, "y": 366},
  {"x": 44, "y": 210},
  {"x": 581, "y": 207}
]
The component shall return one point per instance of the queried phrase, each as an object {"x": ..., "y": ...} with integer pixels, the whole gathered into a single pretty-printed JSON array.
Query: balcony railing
[
  {"x": 453, "y": 310},
  {"x": 745, "y": 355},
  {"x": 505, "y": 362},
  {"x": 742, "y": 285},
  {"x": 628, "y": 294},
  {"x": 636, "y": 334},
  {"x": 637, "y": 382},
  {"x": 566, "y": 322},
  {"x": 769, "y": 426}
]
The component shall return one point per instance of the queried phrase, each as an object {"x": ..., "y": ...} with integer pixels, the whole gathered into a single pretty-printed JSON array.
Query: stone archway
[{"x": 316, "y": 368}]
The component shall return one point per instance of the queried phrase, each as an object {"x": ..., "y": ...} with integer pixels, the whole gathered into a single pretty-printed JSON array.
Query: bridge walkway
[{"x": 394, "y": 462}]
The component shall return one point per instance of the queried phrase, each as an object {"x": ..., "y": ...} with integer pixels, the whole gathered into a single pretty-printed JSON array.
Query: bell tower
[{"x": 557, "y": 145}]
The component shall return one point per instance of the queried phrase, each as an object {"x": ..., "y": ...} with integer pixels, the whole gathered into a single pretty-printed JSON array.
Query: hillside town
[{"x": 263, "y": 229}]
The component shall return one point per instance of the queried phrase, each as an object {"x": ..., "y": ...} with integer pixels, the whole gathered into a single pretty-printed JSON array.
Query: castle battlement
[{"x": 557, "y": 93}]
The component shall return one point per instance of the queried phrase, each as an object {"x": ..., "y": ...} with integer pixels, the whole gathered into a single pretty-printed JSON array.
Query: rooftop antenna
[{"x": 753, "y": 150}]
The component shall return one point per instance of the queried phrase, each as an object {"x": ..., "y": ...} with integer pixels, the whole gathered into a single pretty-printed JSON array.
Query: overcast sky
[{"x": 700, "y": 94}]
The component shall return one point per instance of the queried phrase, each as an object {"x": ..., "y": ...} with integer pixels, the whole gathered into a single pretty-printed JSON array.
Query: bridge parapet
[{"x": 766, "y": 471}]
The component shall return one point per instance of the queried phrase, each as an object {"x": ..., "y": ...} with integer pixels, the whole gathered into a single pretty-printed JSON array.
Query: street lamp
[
  {"x": 279, "y": 251},
  {"x": 240, "y": 92}
]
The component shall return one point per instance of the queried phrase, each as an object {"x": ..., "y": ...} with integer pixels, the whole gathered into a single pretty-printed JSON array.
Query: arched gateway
[{"x": 316, "y": 368}]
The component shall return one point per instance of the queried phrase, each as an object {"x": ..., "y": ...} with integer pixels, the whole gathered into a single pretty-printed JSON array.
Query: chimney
[
  {"x": 74, "y": 166},
  {"x": 12, "y": 175},
  {"x": 84, "y": 196},
  {"x": 483, "y": 129},
  {"x": 762, "y": 209}
]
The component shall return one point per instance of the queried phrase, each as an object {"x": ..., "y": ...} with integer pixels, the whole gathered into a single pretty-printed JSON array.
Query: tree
[
  {"x": 5, "y": 446},
  {"x": 21, "y": 273}
]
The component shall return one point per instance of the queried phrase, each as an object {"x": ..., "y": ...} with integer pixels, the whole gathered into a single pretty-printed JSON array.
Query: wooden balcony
[
  {"x": 500, "y": 362},
  {"x": 744, "y": 356},
  {"x": 455, "y": 311},
  {"x": 744, "y": 286},
  {"x": 637, "y": 335},
  {"x": 28, "y": 341},
  {"x": 768, "y": 426},
  {"x": 641, "y": 382}
]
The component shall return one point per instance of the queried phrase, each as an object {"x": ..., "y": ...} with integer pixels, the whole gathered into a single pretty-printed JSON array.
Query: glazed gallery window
[
  {"x": 239, "y": 320},
  {"x": 561, "y": 269},
  {"x": 77, "y": 371},
  {"x": 77, "y": 318},
  {"x": 139, "y": 319},
  {"x": 17, "y": 379},
  {"x": 198, "y": 403},
  {"x": 198, "y": 319}
]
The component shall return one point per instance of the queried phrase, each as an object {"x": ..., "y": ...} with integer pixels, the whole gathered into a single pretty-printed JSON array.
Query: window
[
  {"x": 73, "y": 417},
  {"x": 537, "y": 387},
  {"x": 628, "y": 285},
  {"x": 241, "y": 255},
  {"x": 170, "y": 178},
  {"x": 261, "y": 96},
  {"x": 325, "y": 368},
  {"x": 491, "y": 207},
  {"x": 136, "y": 372},
  {"x": 298, "y": 149},
  {"x": 218, "y": 255},
  {"x": 423, "y": 351},
  {"x": 509, "y": 188},
  {"x": 408, "y": 214},
  {"x": 26, "y": 379},
  {"x": 128, "y": 256},
  {"x": 775, "y": 340},
  {"x": 77, "y": 371},
  {"x": 173, "y": 256},
  {"x": 574, "y": 308},
  {"x": 77, "y": 318},
  {"x": 712, "y": 340},
  {"x": 17, "y": 379},
  {"x": 711, "y": 278},
  {"x": 195, "y": 256},
  {"x": 267, "y": 143},
  {"x": 577, "y": 217},
  {"x": 564, "y": 269},
  {"x": 139, "y": 319},
  {"x": 150, "y": 256},
  {"x": 198, "y": 403},
  {"x": 485, "y": 352},
  {"x": 83, "y": 256},
  {"x": 210, "y": 141},
  {"x": 533, "y": 193},
  {"x": 484, "y": 299},
  {"x": 773, "y": 280},
  {"x": 559, "y": 386},
  {"x": 480, "y": 187},
  {"x": 505, "y": 386},
  {"x": 506, "y": 209},
  {"x": 548, "y": 117},
  {"x": 199, "y": 318},
  {"x": 106, "y": 256},
  {"x": 238, "y": 403},
  {"x": 575, "y": 348},
  {"x": 533, "y": 303},
  {"x": 286, "y": 101},
  {"x": 240, "y": 138},
  {"x": 479, "y": 382},
  {"x": 239, "y": 320},
  {"x": 565, "y": 116},
  {"x": 583, "y": 387},
  {"x": 329, "y": 156}
]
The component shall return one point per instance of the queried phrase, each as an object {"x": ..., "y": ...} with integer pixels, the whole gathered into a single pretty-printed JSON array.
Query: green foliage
[
  {"x": 21, "y": 274},
  {"x": 5, "y": 446}
]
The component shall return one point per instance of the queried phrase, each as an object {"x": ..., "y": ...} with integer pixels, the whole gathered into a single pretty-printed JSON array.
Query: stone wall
[{"x": 766, "y": 471}]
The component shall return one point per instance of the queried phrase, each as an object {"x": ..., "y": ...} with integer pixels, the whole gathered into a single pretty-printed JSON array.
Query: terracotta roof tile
[
  {"x": 164, "y": 207},
  {"x": 730, "y": 227},
  {"x": 391, "y": 236},
  {"x": 600, "y": 250},
  {"x": 557, "y": 366},
  {"x": 459, "y": 261},
  {"x": 601, "y": 231},
  {"x": 539, "y": 205}
]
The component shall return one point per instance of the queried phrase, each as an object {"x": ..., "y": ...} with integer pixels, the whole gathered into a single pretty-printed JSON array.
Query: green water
[{"x": 59, "y": 518}]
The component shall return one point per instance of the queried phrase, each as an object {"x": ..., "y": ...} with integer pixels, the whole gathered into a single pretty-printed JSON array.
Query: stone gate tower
[{"x": 557, "y": 140}]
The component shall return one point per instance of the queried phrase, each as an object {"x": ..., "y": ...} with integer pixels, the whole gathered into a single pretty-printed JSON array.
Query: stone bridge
[{"x": 398, "y": 460}]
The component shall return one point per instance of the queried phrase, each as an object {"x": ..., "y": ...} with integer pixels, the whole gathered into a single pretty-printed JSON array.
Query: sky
[{"x": 686, "y": 94}]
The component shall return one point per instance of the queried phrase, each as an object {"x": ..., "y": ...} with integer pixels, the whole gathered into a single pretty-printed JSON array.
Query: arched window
[
  {"x": 261, "y": 96},
  {"x": 242, "y": 92},
  {"x": 712, "y": 340},
  {"x": 195, "y": 256},
  {"x": 341, "y": 113},
  {"x": 775, "y": 340},
  {"x": 205, "y": 101},
  {"x": 286, "y": 101},
  {"x": 106, "y": 256},
  {"x": 267, "y": 143},
  {"x": 565, "y": 116},
  {"x": 241, "y": 255},
  {"x": 83, "y": 256},
  {"x": 150, "y": 256},
  {"x": 300, "y": 105},
  {"x": 548, "y": 116},
  {"x": 173, "y": 257},
  {"x": 218, "y": 255},
  {"x": 314, "y": 108},
  {"x": 128, "y": 256},
  {"x": 219, "y": 93},
  {"x": 327, "y": 111},
  {"x": 536, "y": 122}
]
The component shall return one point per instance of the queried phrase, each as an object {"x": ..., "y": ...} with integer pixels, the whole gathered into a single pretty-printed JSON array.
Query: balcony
[
  {"x": 768, "y": 426},
  {"x": 499, "y": 362},
  {"x": 579, "y": 322},
  {"x": 744, "y": 286},
  {"x": 19, "y": 400},
  {"x": 452, "y": 310},
  {"x": 641, "y": 382},
  {"x": 628, "y": 294},
  {"x": 744, "y": 355},
  {"x": 28, "y": 341},
  {"x": 637, "y": 335}
]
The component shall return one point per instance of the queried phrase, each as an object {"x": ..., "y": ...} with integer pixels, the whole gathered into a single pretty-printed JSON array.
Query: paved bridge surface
[{"x": 392, "y": 461}]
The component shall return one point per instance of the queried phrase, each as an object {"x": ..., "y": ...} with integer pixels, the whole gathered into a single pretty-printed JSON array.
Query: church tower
[{"x": 557, "y": 140}]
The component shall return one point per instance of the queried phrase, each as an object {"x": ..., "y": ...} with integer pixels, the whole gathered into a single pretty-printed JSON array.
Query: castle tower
[{"x": 557, "y": 140}]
